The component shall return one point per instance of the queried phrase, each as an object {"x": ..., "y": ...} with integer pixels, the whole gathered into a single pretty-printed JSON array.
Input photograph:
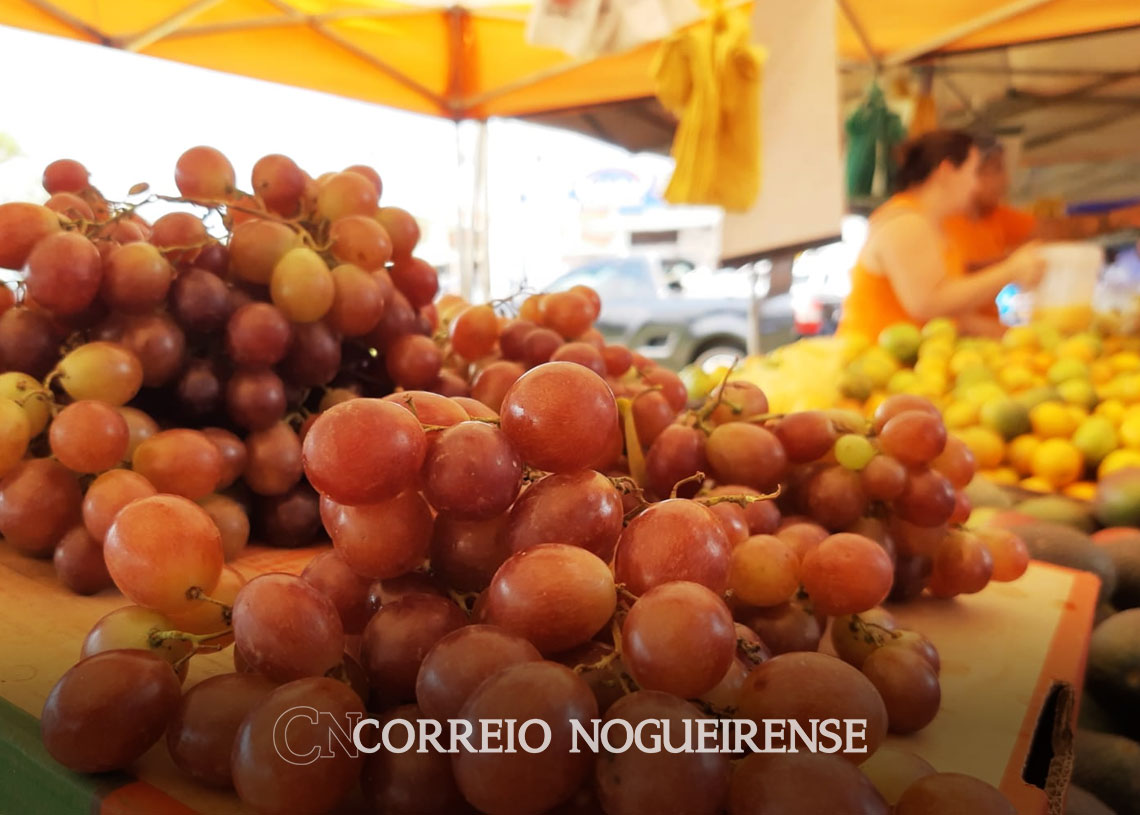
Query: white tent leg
[{"x": 471, "y": 235}]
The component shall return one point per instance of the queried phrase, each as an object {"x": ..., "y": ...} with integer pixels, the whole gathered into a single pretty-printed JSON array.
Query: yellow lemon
[
  {"x": 940, "y": 328},
  {"x": 1101, "y": 371},
  {"x": 1020, "y": 452},
  {"x": 983, "y": 392},
  {"x": 1081, "y": 490},
  {"x": 1118, "y": 460},
  {"x": 1043, "y": 361},
  {"x": 1082, "y": 346},
  {"x": 877, "y": 365},
  {"x": 1078, "y": 392},
  {"x": 1048, "y": 336},
  {"x": 1111, "y": 409},
  {"x": 964, "y": 359},
  {"x": 901, "y": 340},
  {"x": 1015, "y": 377},
  {"x": 1052, "y": 420},
  {"x": 930, "y": 366},
  {"x": 1130, "y": 432},
  {"x": 1020, "y": 337},
  {"x": 1065, "y": 369},
  {"x": 1036, "y": 484},
  {"x": 959, "y": 414},
  {"x": 1128, "y": 388},
  {"x": 986, "y": 445},
  {"x": 1123, "y": 361},
  {"x": 903, "y": 381},
  {"x": 936, "y": 349},
  {"x": 1005, "y": 416},
  {"x": 1096, "y": 438},
  {"x": 1058, "y": 461},
  {"x": 1001, "y": 475}
]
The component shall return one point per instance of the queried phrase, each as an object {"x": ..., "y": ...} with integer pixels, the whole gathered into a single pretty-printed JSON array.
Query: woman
[{"x": 908, "y": 271}]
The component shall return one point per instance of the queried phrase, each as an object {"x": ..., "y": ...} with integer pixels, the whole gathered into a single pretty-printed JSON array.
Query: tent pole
[
  {"x": 861, "y": 33},
  {"x": 160, "y": 29},
  {"x": 973, "y": 26},
  {"x": 52, "y": 10}
]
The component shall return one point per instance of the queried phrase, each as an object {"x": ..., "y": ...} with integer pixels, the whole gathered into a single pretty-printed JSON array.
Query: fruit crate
[{"x": 1013, "y": 661}]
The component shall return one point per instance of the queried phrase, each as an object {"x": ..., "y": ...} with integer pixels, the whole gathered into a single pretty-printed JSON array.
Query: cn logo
[{"x": 301, "y": 735}]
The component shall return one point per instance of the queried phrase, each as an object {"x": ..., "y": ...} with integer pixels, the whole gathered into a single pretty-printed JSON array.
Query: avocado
[
  {"x": 1059, "y": 510},
  {"x": 1113, "y": 676},
  {"x": 1109, "y": 767},
  {"x": 1117, "y": 500},
  {"x": 984, "y": 493},
  {"x": 1080, "y": 801},
  {"x": 1065, "y": 546},
  {"x": 1093, "y": 716},
  {"x": 1125, "y": 554}
]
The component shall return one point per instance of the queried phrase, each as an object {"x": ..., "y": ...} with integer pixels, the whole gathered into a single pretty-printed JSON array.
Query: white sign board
[{"x": 801, "y": 194}]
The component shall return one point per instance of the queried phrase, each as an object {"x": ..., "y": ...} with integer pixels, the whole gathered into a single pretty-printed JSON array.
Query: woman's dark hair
[{"x": 921, "y": 156}]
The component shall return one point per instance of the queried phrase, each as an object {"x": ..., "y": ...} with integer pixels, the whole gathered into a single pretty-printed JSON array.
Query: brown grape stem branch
[
  {"x": 696, "y": 478},
  {"x": 739, "y": 500},
  {"x": 196, "y": 593},
  {"x": 633, "y": 450}
]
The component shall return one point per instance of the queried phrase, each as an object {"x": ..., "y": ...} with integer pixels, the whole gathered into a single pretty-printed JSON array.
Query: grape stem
[
  {"x": 755, "y": 653},
  {"x": 464, "y": 599},
  {"x": 158, "y": 637},
  {"x": 633, "y": 451},
  {"x": 739, "y": 500},
  {"x": 696, "y": 478},
  {"x": 196, "y": 593}
]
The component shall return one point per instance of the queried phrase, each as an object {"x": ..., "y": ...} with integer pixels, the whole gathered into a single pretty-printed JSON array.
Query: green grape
[{"x": 854, "y": 451}]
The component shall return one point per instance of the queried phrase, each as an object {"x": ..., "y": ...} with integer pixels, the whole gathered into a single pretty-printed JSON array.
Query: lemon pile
[{"x": 1047, "y": 411}]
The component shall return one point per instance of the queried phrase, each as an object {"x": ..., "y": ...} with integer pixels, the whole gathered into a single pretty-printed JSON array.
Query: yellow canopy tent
[{"x": 473, "y": 61}]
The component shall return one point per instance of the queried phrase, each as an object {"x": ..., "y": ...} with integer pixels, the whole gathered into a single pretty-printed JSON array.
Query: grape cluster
[{"x": 526, "y": 522}]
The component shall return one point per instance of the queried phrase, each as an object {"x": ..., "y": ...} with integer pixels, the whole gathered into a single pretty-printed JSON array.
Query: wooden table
[{"x": 1002, "y": 650}]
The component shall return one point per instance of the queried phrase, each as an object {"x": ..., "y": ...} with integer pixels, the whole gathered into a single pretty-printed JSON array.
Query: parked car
[{"x": 676, "y": 314}]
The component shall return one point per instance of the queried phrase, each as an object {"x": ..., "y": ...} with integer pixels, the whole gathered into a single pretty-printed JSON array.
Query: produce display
[
  {"x": 1042, "y": 410},
  {"x": 526, "y": 523}
]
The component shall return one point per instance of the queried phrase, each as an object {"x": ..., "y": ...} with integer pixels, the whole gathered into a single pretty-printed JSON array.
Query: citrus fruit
[
  {"x": 1020, "y": 452},
  {"x": 1096, "y": 438},
  {"x": 986, "y": 445},
  {"x": 902, "y": 341},
  {"x": 1065, "y": 369},
  {"x": 1005, "y": 416},
  {"x": 1058, "y": 462},
  {"x": 1118, "y": 460},
  {"x": 1052, "y": 420}
]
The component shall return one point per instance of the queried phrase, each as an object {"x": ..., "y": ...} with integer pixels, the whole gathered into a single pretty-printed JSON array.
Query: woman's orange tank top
[{"x": 872, "y": 304}]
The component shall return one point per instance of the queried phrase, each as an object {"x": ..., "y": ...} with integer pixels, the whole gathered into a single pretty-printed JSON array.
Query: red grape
[
  {"x": 200, "y": 301},
  {"x": 286, "y": 628},
  {"x": 491, "y": 384},
  {"x": 914, "y": 437},
  {"x": 908, "y": 685},
  {"x": 459, "y": 662},
  {"x": 65, "y": 175},
  {"x": 765, "y": 571},
  {"x": 846, "y": 574},
  {"x": 136, "y": 278},
  {"x": 805, "y": 686},
  {"x": 677, "y": 453},
  {"x": 401, "y": 228},
  {"x": 557, "y": 416},
  {"x": 204, "y": 174},
  {"x": 1008, "y": 552},
  {"x": 557, "y": 596},
  {"x": 79, "y": 564},
  {"x": 232, "y": 521},
  {"x": 802, "y": 782},
  {"x": 678, "y": 638},
  {"x": 201, "y": 734},
  {"x": 783, "y": 628},
  {"x": 180, "y": 461},
  {"x": 472, "y": 471},
  {"x": 364, "y": 451},
  {"x": 806, "y": 436},
  {"x": 108, "y": 709},
  {"x": 525, "y": 781},
  {"x": 956, "y": 462},
  {"x": 255, "y": 398},
  {"x": 108, "y": 494},
  {"x": 155, "y": 568},
  {"x": 63, "y": 273},
  {"x": 39, "y": 501},
  {"x": 466, "y": 554},
  {"x": 741, "y": 453},
  {"x": 358, "y": 302},
  {"x": 346, "y": 193},
  {"x": 927, "y": 499},
  {"x": 258, "y": 334},
  {"x": 331, "y": 576},
  {"x": 279, "y": 182},
  {"x": 737, "y": 401},
  {"x": 581, "y": 508},
  {"x": 883, "y": 479},
  {"x": 399, "y": 636},
  {"x": 673, "y": 540},
  {"x": 255, "y": 248},
  {"x": 360, "y": 240},
  {"x": 319, "y": 715},
  {"x": 962, "y": 565},
  {"x": 636, "y": 781},
  {"x": 384, "y": 539},
  {"x": 89, "y": 436},
  {"x": 273, "y": 460}
]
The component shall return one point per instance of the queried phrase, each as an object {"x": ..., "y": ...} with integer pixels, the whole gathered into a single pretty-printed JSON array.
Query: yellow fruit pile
[{"x": 1039, "y": 409}]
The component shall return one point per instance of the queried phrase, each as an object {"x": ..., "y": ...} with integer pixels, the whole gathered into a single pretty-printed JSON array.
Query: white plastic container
[{"x": 1065, "y": 295}]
